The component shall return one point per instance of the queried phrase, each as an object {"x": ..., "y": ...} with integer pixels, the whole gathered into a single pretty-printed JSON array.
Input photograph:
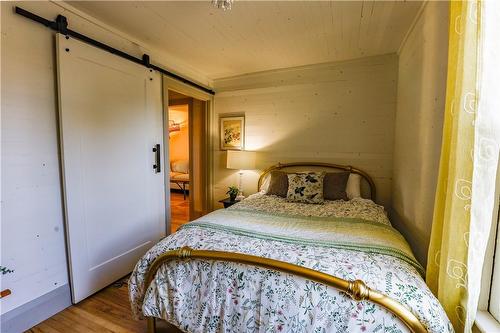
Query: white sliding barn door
[{"x": 110, "y": 113}]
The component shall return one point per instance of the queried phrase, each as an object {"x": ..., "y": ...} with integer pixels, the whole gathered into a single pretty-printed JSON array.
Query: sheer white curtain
[{"x": 486, "y": 151}]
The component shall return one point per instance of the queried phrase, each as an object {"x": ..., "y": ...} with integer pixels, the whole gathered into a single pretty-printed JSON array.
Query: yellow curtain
[{"x": 447, "y": 261}]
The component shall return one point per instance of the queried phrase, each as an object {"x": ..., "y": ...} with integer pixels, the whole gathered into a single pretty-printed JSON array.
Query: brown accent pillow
[
  {"x": 334, "y": 186},
  {"x": 278, "y": 184}
]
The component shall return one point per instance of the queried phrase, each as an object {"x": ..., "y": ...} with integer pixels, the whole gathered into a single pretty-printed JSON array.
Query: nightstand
[{"x": 228, "y": 203}]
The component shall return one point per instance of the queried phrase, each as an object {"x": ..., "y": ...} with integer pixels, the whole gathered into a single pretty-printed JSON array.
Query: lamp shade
[{"x": 240, "y": 160}]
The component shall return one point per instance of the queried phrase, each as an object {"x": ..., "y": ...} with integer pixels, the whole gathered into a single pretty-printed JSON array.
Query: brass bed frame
[{"x": 356, "y": 289}]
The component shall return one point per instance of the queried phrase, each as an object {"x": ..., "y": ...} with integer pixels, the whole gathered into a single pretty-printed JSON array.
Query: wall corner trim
[
  {"x": 29, "y": 314},
  {"x": 412, "y": 26}
]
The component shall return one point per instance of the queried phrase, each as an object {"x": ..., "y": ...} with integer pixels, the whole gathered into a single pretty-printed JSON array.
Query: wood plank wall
[
  {"x": 340, "y": 112},
  {"x": 423, "y": 61}
]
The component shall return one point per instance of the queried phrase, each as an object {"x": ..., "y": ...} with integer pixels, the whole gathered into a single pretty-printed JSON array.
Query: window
[
  {"x": 494, "y": 299},
  {"x": 488, "y": 315}
]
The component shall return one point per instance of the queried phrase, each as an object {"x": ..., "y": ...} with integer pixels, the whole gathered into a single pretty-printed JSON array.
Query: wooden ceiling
[{"x": 260, "y": 35}]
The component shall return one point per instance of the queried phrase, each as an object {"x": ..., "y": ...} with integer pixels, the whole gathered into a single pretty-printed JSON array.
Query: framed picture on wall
[{"x": 232, "y": 133}]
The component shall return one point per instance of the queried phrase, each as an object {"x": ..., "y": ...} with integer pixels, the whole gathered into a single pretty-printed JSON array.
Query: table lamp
[{"x": 240, "y": 160}]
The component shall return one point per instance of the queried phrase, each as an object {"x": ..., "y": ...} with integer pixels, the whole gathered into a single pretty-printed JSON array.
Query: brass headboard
[{"x": 364, "y": 175}]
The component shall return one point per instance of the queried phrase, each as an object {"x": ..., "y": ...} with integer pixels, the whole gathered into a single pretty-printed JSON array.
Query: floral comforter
[{"x": 351, "y": 241}]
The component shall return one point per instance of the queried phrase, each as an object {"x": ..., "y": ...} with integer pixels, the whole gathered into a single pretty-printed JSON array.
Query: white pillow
[
  {"x": 353, "y": 188},
  {"x": 181, "y": 166},
  {"x": 265, "y": 184}
]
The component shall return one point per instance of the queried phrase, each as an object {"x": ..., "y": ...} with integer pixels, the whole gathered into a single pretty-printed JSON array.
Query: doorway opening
[
  {"x": 178, "y": 141},
  {"x": 187, "y": 132}
]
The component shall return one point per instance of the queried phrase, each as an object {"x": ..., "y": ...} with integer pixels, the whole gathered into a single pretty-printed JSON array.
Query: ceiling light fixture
[{"x": 222, "y": 4}]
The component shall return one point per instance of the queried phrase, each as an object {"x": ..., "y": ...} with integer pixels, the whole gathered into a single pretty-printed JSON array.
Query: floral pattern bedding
[
  {"x": 355, "y": 208},
  {"x": 209, "y": 296}
]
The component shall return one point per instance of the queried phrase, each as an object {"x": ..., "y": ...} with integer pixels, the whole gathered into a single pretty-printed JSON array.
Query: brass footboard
[{"x": 357, "y": 289}]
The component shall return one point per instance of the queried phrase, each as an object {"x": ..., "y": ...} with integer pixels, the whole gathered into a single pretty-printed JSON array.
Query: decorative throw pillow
[
  {"x": 305, "y": 187},
  {"x": 278, "y": 185},
  {"x": 334, "y": 186}
]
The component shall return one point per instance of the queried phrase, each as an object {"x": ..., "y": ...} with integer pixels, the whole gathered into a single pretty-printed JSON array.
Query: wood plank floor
[
  {"x": 180, "y": 210},
  {"x": 107, "y": 311}
]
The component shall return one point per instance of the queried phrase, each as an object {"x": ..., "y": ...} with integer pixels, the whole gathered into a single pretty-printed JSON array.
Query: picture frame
[{"x": 232, "y": 132}]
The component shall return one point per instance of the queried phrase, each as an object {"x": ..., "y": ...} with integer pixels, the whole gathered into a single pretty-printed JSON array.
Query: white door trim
[{"x": 173, "y": 84}]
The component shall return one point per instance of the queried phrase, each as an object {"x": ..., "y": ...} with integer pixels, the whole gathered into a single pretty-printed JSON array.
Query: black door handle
[{"x": 157, "y": 165}]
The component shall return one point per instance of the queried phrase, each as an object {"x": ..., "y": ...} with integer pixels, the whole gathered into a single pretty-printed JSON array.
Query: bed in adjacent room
[{"x": 350, "y": 238}]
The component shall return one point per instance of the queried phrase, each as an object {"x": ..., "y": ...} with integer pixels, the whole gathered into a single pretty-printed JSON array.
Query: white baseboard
[{"x": 28, "y": 315}]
